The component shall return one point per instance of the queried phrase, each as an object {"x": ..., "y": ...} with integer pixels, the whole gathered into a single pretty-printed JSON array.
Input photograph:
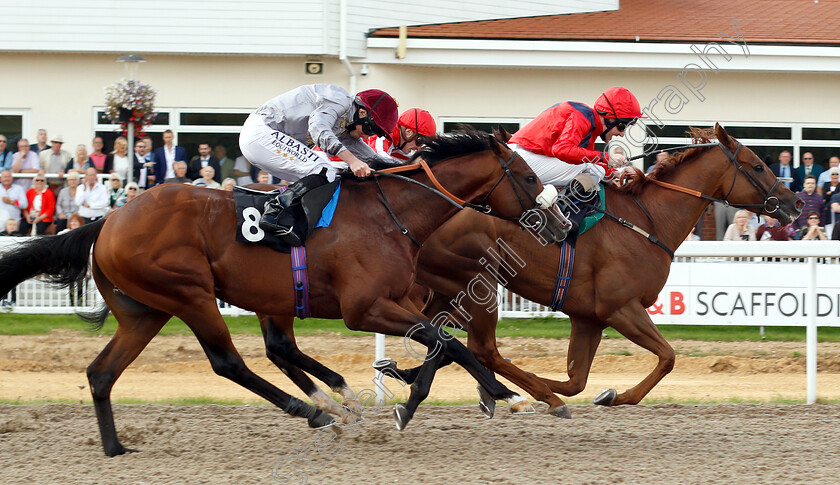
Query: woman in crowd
[
  {"x": 78, "y": 163},
  {"x": 117, "y": 160},
  {"x": 132, "y": 190},
  {"x": 228, "y": 184},
  {"x": 740, "y": 230},
  {"x": 813, "y": 231},
  {"x": 66, "y": 206},
  {"x": 41, "y": 207},
  {"x": 115, "y": 191}
]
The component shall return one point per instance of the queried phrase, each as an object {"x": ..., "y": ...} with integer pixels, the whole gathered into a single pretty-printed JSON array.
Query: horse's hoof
[
  {"x": 486, "y": 402},
  {"x": 120, "y": 451},
  {"x": 522, "y": 407},
  {"x": 349, "y": 416},
  {"x": 561, "y": 412},
  {"x": 321, "y": 420},
  {"x": 386, "y": 363},
  {"x": 352, "y": 406},
  {"x": 401, "y": 416},
  {"x": 606, "y": 397}
]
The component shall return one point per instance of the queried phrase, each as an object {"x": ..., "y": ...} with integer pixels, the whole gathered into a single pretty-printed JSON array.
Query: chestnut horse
[
  {"x": 173, "y": 251},
  {"x": 618, "y": 273}
]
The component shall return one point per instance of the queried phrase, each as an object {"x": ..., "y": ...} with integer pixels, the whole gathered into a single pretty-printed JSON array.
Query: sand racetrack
[{"x": 658, "y": 442}]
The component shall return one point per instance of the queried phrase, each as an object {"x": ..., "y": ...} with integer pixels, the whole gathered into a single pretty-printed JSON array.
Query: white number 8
[{"x": 251, "y": 225}]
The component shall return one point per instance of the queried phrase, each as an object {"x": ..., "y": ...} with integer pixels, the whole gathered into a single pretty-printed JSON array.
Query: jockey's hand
[
  {"x": 617, "y": 160},
  {"x": 359, "y": 168}
]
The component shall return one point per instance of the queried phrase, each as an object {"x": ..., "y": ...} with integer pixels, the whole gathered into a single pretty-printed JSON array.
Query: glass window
[
  {"x": 12, "y": 127},
  {"x": 760, "y": 132},
  {"x": 230, "y": 141},
  {"x": 831, "y": 134},
  {"x": 214, "y": 119}
]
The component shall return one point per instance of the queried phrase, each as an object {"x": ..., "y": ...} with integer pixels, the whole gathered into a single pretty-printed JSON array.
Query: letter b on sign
[{"x": 677, "y": 305}]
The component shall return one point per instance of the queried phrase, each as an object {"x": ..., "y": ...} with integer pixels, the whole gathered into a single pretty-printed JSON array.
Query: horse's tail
[{"x": 64, "y": 258}]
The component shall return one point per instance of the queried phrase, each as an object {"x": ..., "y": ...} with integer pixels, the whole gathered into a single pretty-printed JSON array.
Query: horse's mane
[
  {"x": 465, "y": 141},
  {"x": 633, "y": 180}
]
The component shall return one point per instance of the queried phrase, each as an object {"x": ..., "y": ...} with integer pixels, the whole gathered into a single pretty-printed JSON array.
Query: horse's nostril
[{"x": 800, "y": 203}]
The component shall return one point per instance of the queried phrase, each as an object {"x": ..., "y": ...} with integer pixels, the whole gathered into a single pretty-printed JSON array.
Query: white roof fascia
[{"x": 601, "y": 55}]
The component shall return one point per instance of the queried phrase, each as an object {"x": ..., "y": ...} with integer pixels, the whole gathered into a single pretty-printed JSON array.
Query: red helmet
[
  {"x": 381, "y": 108},
  {"x": 419, "y": 120},
  {"x": 618, "y": 102}
]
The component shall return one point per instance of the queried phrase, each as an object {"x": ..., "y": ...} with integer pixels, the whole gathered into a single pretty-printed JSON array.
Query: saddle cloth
[{"x": 316, "y": 209}]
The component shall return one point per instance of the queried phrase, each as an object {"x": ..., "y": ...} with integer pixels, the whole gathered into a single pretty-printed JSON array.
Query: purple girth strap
[{"x": 300, "y": 278}]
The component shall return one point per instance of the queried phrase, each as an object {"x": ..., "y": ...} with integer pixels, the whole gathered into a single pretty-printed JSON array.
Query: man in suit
[
  {"x": 808, "y": 167},
  {"x": 166, "y": 156},
  {"x": 203, "y": 159},
  {"x": 785, "y": 169}
]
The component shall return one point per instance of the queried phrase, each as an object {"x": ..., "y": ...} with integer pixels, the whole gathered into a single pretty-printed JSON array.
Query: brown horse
[
  {"x": 618, "y": 273},
  {"x": 173, "y": 251}
]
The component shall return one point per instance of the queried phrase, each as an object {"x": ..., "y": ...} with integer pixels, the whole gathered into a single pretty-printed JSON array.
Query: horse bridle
[{"x": 771, "y": 203}]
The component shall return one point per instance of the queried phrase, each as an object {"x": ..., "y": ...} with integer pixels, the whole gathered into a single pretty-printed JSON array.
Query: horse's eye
[
  {"x": 759, "y": 168},
  {"x": 531, "y": 179}
]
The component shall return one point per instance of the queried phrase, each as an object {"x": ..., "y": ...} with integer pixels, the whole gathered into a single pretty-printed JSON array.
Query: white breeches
[
  {"x": 281, "y": 155},
  {"x": 554, "y": 171}
]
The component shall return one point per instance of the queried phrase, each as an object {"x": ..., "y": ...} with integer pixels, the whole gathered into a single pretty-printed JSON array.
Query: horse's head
[
  {"x": 518, "y": 190},
  {"x": 750, "y": 184}
]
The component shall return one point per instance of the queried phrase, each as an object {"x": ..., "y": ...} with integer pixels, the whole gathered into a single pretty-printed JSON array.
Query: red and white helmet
[
  {"x": 382, "y": 110},
  {"x": 618, "y": 103}
]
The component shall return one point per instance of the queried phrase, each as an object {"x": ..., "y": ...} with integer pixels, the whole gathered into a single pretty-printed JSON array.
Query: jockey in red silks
[
  {"x": 412, "y": 124},
  {"x": 559, "y": 144}
]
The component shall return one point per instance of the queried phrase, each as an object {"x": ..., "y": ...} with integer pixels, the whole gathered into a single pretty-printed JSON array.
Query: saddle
[{"x": 314, "y": 209}]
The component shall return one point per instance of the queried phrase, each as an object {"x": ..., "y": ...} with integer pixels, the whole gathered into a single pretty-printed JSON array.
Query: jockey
[
  {"x": 278, "y": 138},
  {"x": 559, "y": 143},
  {"x": 412, "y": 124}
]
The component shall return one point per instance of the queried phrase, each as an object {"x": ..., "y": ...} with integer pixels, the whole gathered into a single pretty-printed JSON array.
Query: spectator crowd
[{"x": 63, "y": 191}]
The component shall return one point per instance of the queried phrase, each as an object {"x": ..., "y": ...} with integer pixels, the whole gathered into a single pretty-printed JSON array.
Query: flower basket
[{"x": 130, "y": 102}]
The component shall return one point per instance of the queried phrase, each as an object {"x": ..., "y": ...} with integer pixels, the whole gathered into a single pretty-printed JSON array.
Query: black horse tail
[{"x": 65, "y": 259}]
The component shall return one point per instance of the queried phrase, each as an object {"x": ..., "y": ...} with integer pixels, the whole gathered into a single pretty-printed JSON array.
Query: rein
[{"x": 441, "y": 191}]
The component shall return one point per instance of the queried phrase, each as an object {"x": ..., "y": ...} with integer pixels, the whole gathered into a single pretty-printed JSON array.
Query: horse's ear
[
  {"x": 723, "y": 137},
  {"x": 495, "y": 144},
  {"x": 503, "y": 134}
]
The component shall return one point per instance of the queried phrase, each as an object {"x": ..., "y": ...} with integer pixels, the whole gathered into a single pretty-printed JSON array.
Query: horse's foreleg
[
  {"x": 583, "y": 343},
  {"x": 388, "y": 317},
  {"x": 283, "y": 351},
  {"x": 633, "y": 322},
  {"x": 204, "y": 319}
]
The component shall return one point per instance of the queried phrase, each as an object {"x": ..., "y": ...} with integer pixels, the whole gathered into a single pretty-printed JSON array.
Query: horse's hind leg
[
  {"x": 204, "y": 319},
  {"x": 138, "y": 324},
  {"x": 633, "y": 322},
  {"x": 282, "y": 350}
]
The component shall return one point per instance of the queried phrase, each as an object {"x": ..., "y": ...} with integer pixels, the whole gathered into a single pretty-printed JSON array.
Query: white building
[{"x": 767, "y": 70}]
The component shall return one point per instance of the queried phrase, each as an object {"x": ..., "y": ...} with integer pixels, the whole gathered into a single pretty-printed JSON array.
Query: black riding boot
[
  {"x": 575, "y": 197},
  {"x": 275, "y": 221}
]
